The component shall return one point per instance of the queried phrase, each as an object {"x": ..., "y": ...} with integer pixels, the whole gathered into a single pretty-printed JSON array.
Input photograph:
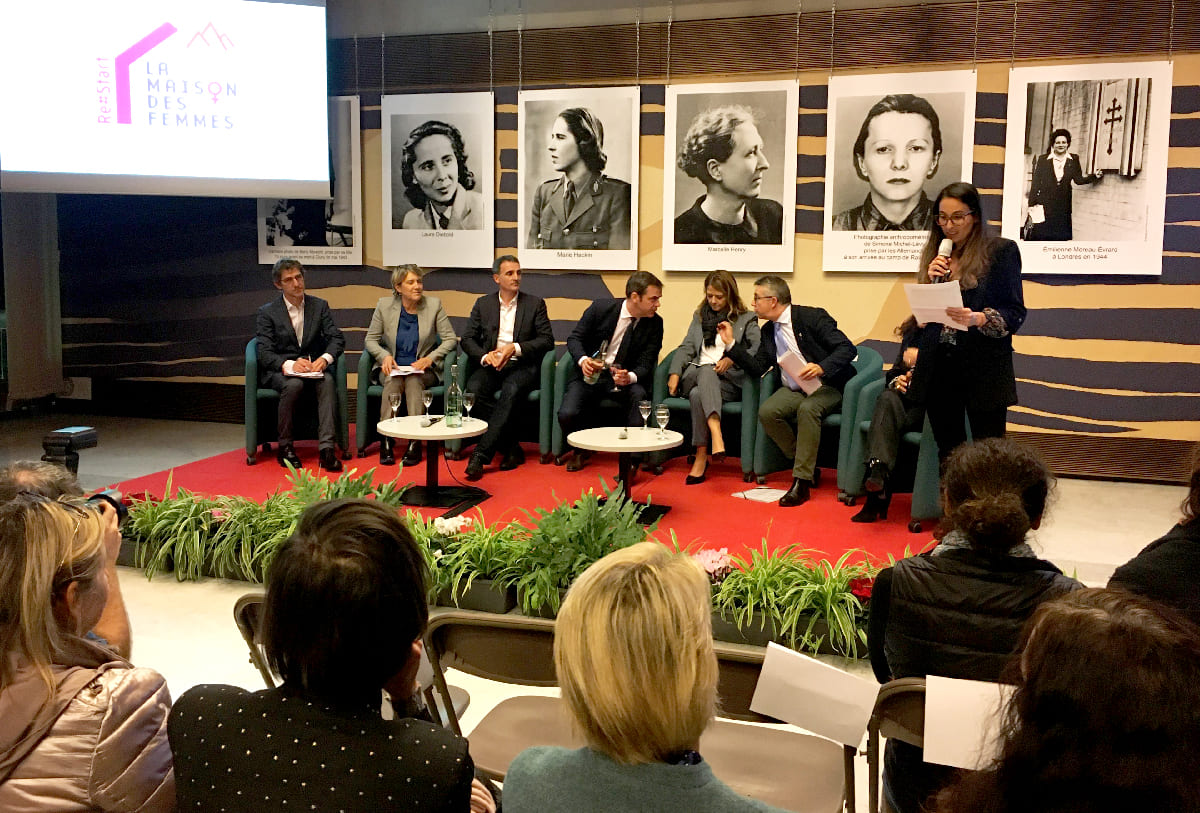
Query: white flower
[{"x": 452, "y": 525}]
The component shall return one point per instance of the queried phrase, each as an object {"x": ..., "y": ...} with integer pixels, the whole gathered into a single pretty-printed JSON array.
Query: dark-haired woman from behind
[
  {"x": 344, "y": 615},
  {"x": 969, "y": 373},
  {"x": 1168, "y": 569},
  {"x": 1105, "y": 717},
  {"x": 958, "y": 610}
]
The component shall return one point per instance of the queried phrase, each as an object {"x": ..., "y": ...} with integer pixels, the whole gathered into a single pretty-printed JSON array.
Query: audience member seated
[
  {"x": 1168, "y": 569},
  {"x": 1106, "y": 714},
  {"x": 703, "y": 372},
  {"x": 634, "y": 655},
  {"x": 616, "y": 344},
  {"x": 343, "y": 619},
  {"x": 895, "y": 414},
  {"x": 408, "y": 329},
  {"x": 54, "y": 481},
  {"x": 81, "y": 729},
  {"x": 958, "y": 610}
]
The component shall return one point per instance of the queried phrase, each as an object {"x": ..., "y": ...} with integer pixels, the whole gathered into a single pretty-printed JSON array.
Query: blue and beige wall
[{"x": 159, "y": 295}]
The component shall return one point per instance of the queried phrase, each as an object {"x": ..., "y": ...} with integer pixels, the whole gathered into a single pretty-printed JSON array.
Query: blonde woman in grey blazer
[
  {"x": 420, "y": 325},
  {"x": 703, "y": 373}
]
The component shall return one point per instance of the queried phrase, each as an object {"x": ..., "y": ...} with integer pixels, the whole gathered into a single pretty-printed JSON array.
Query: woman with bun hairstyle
[
  {"x": 1105, "y": 717},
  {"x": 958, "y": 610}
]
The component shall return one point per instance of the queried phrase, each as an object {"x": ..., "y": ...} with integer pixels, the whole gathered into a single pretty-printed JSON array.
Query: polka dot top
[{"x": 269, "y": 751}]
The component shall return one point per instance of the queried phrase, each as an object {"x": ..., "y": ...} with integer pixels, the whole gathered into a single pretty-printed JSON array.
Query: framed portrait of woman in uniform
[
  {"x": 438, "y": 179},
  {"x": 578, "y": 188}
]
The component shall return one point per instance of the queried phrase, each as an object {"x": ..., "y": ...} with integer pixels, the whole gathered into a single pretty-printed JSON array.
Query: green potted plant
[
  {"x": 564, "y": 542},
  {"x": 466, "y": 557}
]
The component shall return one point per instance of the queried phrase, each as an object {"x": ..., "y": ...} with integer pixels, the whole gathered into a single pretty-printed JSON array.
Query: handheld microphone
[{"x": 944, "y": 250}]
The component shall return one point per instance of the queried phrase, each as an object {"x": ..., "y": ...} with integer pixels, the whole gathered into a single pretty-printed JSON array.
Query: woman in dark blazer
[
  {"x": 969, "y": 373},
  {"x": 408, "y": 329},
  {"x": 583, "y": 208},
  {"x": 702, "y": 372},
  {"x": 1053, "y": 175}
]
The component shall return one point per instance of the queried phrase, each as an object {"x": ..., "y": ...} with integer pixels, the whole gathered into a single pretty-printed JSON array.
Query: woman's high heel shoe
[
  {"x": 875, "y": 509},
  {"x": 697, "y": 479}
]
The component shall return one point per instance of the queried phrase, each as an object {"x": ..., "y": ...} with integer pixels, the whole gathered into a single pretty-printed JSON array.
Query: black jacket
[
  {"x": 532, "y": 330},
  {"x": 1167, "y": 571},
  {"x": 958, "y": 614},
  {"x": 819, "y": 340},
  {"x": 639, "y": 348}
]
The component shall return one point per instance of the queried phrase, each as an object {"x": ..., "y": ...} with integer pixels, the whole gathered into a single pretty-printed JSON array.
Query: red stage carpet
[{"x": 705, "y": 514}]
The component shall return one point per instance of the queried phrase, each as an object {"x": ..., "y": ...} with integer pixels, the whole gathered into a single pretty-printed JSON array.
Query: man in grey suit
[
  {"x": 506, "y": 336},
  {"x": 297, "y": 344},
  {"x": 409, "y": 338}
]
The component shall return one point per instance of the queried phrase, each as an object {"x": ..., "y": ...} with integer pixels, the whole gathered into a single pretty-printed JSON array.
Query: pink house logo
[{"x": 127, "y": 58}]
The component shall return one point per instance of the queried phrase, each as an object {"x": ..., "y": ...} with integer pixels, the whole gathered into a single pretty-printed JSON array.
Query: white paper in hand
[
  {"x": 929, "y": 302},
  {"x": 404, "y": 369},
  {"x": 793, "y": 365},
  {"x": 962, "y": 721},
  {"x": 814, "y": 696}
]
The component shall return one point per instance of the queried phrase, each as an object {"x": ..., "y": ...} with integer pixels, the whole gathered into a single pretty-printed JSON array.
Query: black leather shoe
[
  {"x": 475, "y": 467},
  {"x": 287, "y": 454},
  {"x": 412, "y": 455},
  {"x": 329, "y": 460},
  {"x": 577, "y": 462},
  {"x": 695, "y": 480},
  {"x": 875, "y": 509},
  {"x": 514, "y": 458},
  {"x": 796, "y": 495},
  {"x": 877, "y": 477},
  {"x": 387, "y": 457}
]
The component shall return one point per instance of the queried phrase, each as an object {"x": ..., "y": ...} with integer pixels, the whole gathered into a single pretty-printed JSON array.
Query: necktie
[{"x": 569, "y": 202}]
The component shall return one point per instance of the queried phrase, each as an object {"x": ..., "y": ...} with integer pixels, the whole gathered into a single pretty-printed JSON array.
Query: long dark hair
[
  {"x": 995, "y": 490},
  {"x": 977, "y": 250},
  {"x": 1106, "y": 715},
  {"x": 588, "y": 131},
  {"x": 1191, "y": 503},
  {"x": 724, "y": 282}
]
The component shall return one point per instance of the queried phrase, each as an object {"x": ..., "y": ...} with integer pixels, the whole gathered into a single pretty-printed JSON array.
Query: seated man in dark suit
[
  {"x": 826, "y": 355},
  {"x": 507, "y": 336},
  {"x": 633, "y": 331},
  {"x": 297, "y": 342}
]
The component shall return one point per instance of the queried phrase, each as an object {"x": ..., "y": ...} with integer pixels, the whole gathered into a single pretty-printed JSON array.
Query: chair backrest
[
  {"x": 739, "y": 666},
  {"x": 900, "y": 711},
  {"x": 247, "y": 613}
]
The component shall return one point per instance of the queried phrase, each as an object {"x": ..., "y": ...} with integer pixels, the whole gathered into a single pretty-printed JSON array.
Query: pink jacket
[{"x": 107, "y": 751}]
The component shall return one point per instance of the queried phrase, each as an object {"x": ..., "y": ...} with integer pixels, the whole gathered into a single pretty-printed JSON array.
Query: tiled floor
[{"x": 186, "y": 630}]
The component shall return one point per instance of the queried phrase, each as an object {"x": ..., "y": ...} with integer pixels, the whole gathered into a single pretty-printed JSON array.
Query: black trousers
[
  {"x": 499, "y": 394},
  {"x": 948, "y": 405},
  {"x": 290, "y": 389},
  {"x": 895, "y": 414}
]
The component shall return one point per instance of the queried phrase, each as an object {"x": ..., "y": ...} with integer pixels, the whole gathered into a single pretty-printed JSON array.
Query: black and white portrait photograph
[
  {"x": 729, "y": 191},
  {"x": 324, "y": 231},
  {"x": 1085, "y": 167},
  {"x": 578, "y": 168},
  {"x": 893, "y": 142},
  {"x": 438, "y": 152}
]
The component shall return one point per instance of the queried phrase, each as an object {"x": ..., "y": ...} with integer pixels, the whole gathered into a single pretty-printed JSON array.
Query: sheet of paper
[
  {"x": 313, "y": 374},
  {"x": 793, "y": 364},
  {"x": 962, "y": 721},
  {"x": 761, "y": 494},
  {"x": 404, "y": 369},
  {"x": 929, "y": 302},
  {"x": 1037, "y": 213},
  {"x": 814, "y": 696}
]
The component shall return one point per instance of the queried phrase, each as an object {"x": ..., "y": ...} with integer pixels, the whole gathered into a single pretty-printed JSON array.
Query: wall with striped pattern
[{"x": 164, "y": 290}]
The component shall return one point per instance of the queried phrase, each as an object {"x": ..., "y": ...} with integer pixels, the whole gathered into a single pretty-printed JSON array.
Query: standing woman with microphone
[{"x": 969, "y": 373}]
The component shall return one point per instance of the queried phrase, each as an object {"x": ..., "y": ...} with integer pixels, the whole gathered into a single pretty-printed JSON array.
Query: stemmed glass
[
  {"x": 394, "y": 403},
  {"x": 644, "y": 408},
  {"x": 662, "y": 415},
  {"x": 427, "y": 400},
  {"x": 468, "y": 402}
]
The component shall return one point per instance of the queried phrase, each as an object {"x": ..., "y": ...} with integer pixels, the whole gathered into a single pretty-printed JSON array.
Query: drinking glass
[
  {"x": 427, "y": 399},
  {"x": 644, "y": 408},
  {"x": 468, "y": 402},
  {"x": 662, "y": 415},
  {"x": 613, "y": 368},
  {"x": 394, "y": 403}
]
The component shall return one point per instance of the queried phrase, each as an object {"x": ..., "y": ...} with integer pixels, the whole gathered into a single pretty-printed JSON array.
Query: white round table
[
  {"x": 431, "y": 495},
  {"x": 607, "y": 439}
]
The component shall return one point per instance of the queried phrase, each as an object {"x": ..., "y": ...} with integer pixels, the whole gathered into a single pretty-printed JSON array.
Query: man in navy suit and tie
[
  {"x": 297, "y": 343},
  {"x": 506, "y": 336},
  {"x": 634, "y": 333},
  {"x": 825, "y": 357}
]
